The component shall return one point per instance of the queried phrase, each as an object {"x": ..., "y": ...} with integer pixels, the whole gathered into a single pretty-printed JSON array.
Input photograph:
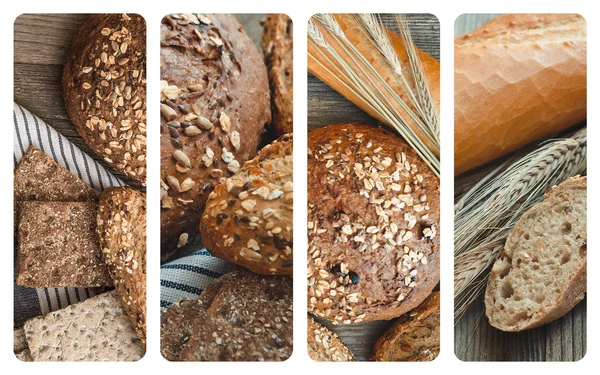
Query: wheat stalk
[{"x": 486, "y": 214}]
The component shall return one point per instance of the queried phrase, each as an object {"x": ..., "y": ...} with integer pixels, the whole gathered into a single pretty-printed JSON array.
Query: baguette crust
[{"x": 526, "y": 75}]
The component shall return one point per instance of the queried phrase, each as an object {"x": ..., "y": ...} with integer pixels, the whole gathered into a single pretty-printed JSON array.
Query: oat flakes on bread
[
  {"x": 248, "y": 219},
  {"x": 240, "y": 316},
  {"x": 121, "y": 226},
  {"x": 326, "y": 346},
  {"x": 58, "y": 246},
  {"x": 277, "y": 44},
  {"x": 214, "y": 106},
  {"x": 104, "y": 86},
  {"x": 373, "y": 224},
  {"x": 414, "y": 337},
  {"x": 542, "y": 272},
  {"x": 96, "y": 329}
]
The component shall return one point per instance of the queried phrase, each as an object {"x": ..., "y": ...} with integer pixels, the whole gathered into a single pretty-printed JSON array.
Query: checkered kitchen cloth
[{"x": 30, "y": 130}]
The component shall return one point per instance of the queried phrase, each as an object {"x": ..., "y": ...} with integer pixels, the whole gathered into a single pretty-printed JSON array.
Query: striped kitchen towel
[{"x": 30, "y": 130}]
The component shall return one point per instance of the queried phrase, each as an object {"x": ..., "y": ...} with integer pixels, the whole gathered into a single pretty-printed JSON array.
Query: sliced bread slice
[{"x": 541, "y": 274}]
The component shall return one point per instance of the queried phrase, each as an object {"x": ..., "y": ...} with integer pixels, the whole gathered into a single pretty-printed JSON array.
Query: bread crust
[{"x": 326, "y": 346}]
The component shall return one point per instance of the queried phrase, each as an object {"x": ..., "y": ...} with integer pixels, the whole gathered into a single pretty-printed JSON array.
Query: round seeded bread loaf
[
  {"x": 373, "y": 224},
  {"x": 248, "y": 220},
  {"x": 542, "y": 272},
  {"x": 326, "y": 346},
  {"x": 414, "y": 337},
  {"x": 214, "y": 106},
  {"x": 104, "y": 85},
  {"x": 121, "y": 230},
  {"x": 240, "y": 316},
  {"x": 278, "y": 46}
]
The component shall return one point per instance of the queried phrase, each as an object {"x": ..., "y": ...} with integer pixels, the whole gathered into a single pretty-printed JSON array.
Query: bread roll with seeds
[
  {"x": 122, "y": 232},
  {"x": 373, "y": 224},
  {"x": 104, "y": 85},
  {"x": 278, "y": 47},
  {"x": 214, "y": 106},
  {"x": 326, "y": 346},
  {"x": 248, "y": 220},
  {"x": 414, "y": 337},
  {"x": 542, "y": 272}
]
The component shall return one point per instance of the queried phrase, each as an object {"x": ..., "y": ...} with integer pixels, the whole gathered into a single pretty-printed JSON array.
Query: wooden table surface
[
  {"x": 475, "y": 339},
  {"x": 326, "y": 106}
]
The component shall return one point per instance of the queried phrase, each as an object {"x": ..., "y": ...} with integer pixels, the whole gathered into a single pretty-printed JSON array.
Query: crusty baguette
[
  {"x": 541, "y": 274},
  {"x": 324, "y": 66},
  {"x": 519, "y": 79}
]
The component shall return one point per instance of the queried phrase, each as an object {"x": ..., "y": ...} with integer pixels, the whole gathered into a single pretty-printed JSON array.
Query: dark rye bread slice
[
  {"x": 326, "y": 346},
  {"x": 96, "y": 329},
  {"x": 241, "y": 316},
  {"x": 373, "y": 224},
  {"x": 121, "y": 226},
  {"x": 58, "y": 246},
  {"x": 278, "y": 47},
  {"x": 542, "y": 272},
  {"x": 414, "y": 337},
  {"x": 248, "y": 220}
]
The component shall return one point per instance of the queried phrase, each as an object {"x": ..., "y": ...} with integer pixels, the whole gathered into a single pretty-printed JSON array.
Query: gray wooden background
[
  {"x": 474, "y": 338},
  {"x": 326, "y": 106}
]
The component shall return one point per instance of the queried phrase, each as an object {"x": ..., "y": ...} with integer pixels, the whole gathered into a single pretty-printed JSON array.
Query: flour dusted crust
[
  {"x": 326, "y": 346},
  {"x": 373, "y": 225},
  {"x": 248, "y": 220},
  {"x": 214, "y": 106},
  {"x": 104, "y": 85},
  {"x": 121, "y": 226}
]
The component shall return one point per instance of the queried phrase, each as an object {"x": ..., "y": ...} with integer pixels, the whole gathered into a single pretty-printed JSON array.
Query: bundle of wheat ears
[
  {"x": 391, "y": 86},
  {"x": 486, "y": 214}
]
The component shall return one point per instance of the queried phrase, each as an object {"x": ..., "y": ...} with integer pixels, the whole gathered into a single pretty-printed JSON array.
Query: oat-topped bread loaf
[
  {"x": 414, "y": 337},
  {"x": 104, "y": 85},
  {"x": 248, "y": 219},
  {"x": 373, "y": 224},
  {"x": 96, "y": 329},
  {"x": 278, "y": 47},
  {"x": 122, "y": 232},
  {"x": 326, "y": 346},
  {"x": 240, "y": 316},
  {"x": 542, "y": 272},
  {"x": 58, "y": 246},
  {"x": 214, "y": 106}
]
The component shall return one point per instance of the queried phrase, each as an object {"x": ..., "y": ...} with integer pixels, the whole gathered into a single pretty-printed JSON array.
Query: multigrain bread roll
[
  {"x": 326, "y": 346},
  {"x": 104, "y": 85},
  {"x": 248, "y": 219},
  {"x": 519, "y": 79},
  {"x": 542, "y": 272},
  {"x": 215, "y": 103},
  {"x": 121, "y": 230},
  {"x": 278, "y": 47},
  {"x": 414, "y": 337},
  {"x": 373, "y": 225}
]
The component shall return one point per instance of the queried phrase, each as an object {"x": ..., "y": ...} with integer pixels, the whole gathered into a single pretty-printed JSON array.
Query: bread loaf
[
  {"x": 519, "y": 79},
  {"x": 541, "y": 274},
  {"x": 215, "y": 103},
  {"x": 248, "y": 220},
  {"x": 373, "y": 225},
  {"x": 326, "y": 346}
]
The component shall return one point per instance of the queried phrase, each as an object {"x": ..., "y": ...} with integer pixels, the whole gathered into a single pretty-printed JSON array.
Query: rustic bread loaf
[
  {"x": 373, "y": 224},
  {"x": 214, "y": 106},
  {"x": 121, "y": 229},
  {"x": 278, "y": 47},
  {"x": 541, "y": 274},
  {"x": 20, "y": 348},
  {"x": 58, "y": 246},
  {"x": 240, "y": 316},
  {"x": 414, "y": 337},
  {"x": 248, "y": 219},
  {"x": 527, "y": 73},
  {"x": 96, "y": 329},
  {"x": 104, "y": 85},
  {"x": 326, "y": 346}
]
